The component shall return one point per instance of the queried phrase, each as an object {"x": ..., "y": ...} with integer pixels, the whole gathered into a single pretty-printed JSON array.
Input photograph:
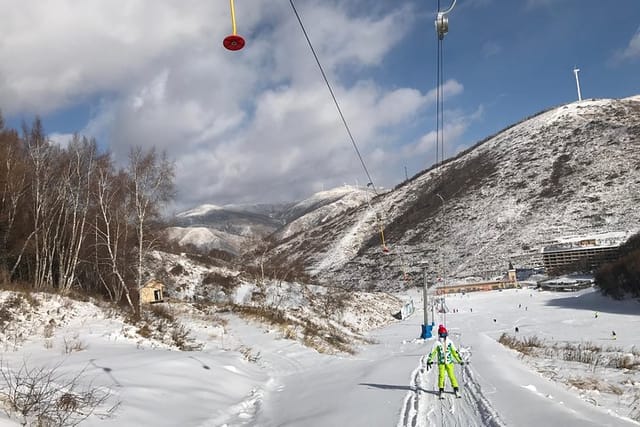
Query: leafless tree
[
  {"x": 78, "y": 164},
  {"x": 150, "y": 185},
  {"x": 44, "y": 201},
  {"x": 111, "y": 231},
  {"x": 69, "y": 219},
  {"x": 12, "y": 189}
]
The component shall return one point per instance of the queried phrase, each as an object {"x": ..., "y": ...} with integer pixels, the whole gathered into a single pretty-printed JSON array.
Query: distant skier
[
  {"x": 613, "y": 335},
  {"x": 446, "y": 353}
]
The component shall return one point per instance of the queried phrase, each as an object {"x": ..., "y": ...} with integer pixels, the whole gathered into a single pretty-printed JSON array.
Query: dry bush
[
  {"x": 587, "y": 352},
  {"x": 273, "y": 316},
  {"x": 585, "y": 383},
  {"x": 73, "y": 344},
  {"x": 182, "y": 339},
  {"x": 227, "y": 283},
  {"x": 17, "y": 303},
  {"x": 526, "y": 346},
  {"x": 290, "y": 332},
  {"x": 144, "y": 331},
  {"x": 325, "y": 339},
  {"x": 595, "y": 384},
  {"x": 159, "y": 323},
  {"x": 49, "y": 328},
  {"x": 162, "y": 311},
  {"x": 582, "y": 353},
  {"x": 41, "y": 396},
  {"x": 623, "y": 361},
  {"x": 249, "y": 355}
]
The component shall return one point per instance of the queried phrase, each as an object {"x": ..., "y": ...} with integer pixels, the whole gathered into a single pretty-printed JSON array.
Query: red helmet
[{"x": 442, "y": 330}]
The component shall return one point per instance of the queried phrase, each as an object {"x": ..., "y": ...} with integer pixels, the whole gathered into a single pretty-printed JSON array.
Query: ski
[{"x": 441, "y": 394}]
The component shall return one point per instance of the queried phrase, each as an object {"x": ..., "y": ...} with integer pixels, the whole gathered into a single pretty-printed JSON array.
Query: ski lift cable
[
  {"x": 442, "y": 28},
  {"x": 335, "y": 100},
  {"x": 344, "y": 120}
]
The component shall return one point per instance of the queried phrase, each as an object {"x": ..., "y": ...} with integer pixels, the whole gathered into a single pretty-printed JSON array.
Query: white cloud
[
  {"x": 632, "y": 51},
  {"x": 491, "y": 48},
  {"x": 254, "y": 125},
  {"x": 55, "y": 53},
  {"x": 60, "y": 139},
  {"x": 456, "y": 124}
]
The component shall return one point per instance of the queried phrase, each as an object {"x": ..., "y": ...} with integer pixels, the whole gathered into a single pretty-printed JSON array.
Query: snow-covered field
[{"x": 248, "y": 375}]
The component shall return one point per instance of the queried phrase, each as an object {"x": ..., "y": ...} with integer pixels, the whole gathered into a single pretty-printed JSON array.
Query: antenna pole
[{"x": 575, "y": 71}]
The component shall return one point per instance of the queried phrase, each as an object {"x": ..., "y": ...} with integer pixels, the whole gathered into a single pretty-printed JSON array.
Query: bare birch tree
[
  {"x": 77, "y": 168},
  {"x": 111, "y": 231},
  {"x": 150, "y": 185},
  {"x": 44, "y": 204}
]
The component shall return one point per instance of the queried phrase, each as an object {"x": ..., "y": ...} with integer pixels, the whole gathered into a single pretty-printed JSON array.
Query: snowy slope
[
  {"x": 205, "y": 238},
  {"x": 321, "y": 207},
  {"x": 248, "y": 374},
  {"x": 573, "y": 170}
]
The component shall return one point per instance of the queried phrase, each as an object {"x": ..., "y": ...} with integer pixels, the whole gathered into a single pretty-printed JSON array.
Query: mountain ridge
[{"x": 568, "y": 170}]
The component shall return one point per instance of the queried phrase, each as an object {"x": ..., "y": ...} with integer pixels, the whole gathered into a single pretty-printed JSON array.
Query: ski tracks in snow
[{"x": 422, "y": 408}]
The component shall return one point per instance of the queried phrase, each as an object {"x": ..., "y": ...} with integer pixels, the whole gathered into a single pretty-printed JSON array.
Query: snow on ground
[
  {"x": 349, "y": 245},
  {"x": 248, "y": 375}
]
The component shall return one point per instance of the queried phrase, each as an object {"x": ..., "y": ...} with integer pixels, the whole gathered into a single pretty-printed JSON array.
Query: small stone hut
[{"x": 152, "y": 292}]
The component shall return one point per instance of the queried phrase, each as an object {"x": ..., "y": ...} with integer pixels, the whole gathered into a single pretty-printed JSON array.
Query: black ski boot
[
  {"x": 441, "y": 393},
  {"x": 457, "y": 392}
]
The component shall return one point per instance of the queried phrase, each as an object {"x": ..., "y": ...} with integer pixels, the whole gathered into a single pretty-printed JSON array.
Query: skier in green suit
[{"x": 446, "y": 353}]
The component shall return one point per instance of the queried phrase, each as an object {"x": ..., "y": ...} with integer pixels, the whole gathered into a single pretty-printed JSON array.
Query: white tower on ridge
[{"x": 575, "y": 71}]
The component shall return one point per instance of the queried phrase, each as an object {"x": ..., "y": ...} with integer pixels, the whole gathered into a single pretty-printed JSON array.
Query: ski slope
[
  {"x": 248, "y": 375},
  {"x": 388, "y": 384}
]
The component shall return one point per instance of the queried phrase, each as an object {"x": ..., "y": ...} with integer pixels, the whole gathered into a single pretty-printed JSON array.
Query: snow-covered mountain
[
  {"x": 322, "y": 207},
  {"x": 571, "y": 170},
  {"x": 235, "y": 228}
]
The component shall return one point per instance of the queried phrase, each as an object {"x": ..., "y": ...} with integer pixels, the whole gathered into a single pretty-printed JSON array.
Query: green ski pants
[{"x": 452, "y": 377}]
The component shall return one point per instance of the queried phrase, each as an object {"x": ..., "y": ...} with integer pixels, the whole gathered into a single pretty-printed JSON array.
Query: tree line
[
  {"x": 622, "y": 277},
  {"x": 71, "y": 220}
]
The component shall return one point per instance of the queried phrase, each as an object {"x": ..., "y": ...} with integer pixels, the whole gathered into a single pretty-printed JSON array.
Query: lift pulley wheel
[{"x": 442, "y": 25}]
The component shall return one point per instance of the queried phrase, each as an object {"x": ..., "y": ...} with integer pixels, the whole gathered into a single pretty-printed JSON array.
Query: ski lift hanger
[{"x": 233, "y": 41}]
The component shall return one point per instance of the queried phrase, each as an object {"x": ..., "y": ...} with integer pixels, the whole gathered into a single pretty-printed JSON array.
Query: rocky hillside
[{"x": 572, "y": 170}]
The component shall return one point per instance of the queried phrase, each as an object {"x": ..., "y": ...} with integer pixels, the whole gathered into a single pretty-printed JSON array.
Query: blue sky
[{"x": 258, "y": 125}]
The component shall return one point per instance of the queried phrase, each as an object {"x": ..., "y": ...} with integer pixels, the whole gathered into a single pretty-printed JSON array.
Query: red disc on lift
[{"x": 233, "y": 42}]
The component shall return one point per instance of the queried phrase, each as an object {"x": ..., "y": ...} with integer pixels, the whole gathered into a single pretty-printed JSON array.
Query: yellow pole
[
  {"x": 384, "y": 246},
  {"x": 233, "y": 17}
]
